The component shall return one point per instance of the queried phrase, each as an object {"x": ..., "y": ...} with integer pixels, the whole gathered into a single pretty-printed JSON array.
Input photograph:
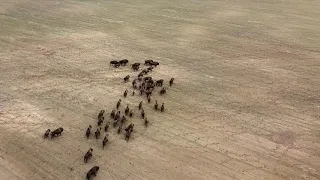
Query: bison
[
  {"x": 88, "y": 132},
  {"x": 123, "y": 62},
  {"x": 106, "y": 127},
  {"x": 105, "y": 140},
  {"x": 162, "y": 107},
  {"x": 88, "y": 155},
  {"x": 56, "y": 132},
  {"x": 171, "y": 81},
  {"x": 97, "y": 133},
  {"x": 126, "y": 79},
  {"x": 92, "y": 172},
  {"x": 46, "y": 134}
]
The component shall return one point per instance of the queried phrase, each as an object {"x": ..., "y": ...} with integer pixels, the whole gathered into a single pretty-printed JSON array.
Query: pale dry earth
[{"x": 245, "y": 103}]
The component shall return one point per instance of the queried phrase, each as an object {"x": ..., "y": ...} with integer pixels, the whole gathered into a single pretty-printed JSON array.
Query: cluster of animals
[{"x": 146, "y": 85}]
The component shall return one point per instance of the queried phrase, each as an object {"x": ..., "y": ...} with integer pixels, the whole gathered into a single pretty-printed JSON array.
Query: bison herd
[{"x": 145, "y": 85}]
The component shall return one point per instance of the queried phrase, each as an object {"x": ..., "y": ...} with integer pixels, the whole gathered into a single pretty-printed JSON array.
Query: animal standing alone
[
  {"x": 92, "y": 172},
  {"x": 88, "y": 155}
]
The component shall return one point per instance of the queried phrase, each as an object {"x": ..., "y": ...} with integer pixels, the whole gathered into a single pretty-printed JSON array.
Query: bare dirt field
[{"x": 245, "y": 103}]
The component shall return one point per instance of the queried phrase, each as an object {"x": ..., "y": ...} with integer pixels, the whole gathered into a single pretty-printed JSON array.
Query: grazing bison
[
  {"x": 140, "y": 105},
  {"x": 125, "y": 93},
  {"x": 113, "y": 112},
  {"x": 115, "y": 63},
  {"x": 126, "y": 111},
  {"x": 126, "y": 79},
  {"x": 46, "y": 134},
  {"x": 163, "y": 91},
  {"x": 105, "y": 140},
  {"x": 117, "y": 116},
  {"x": 123, "y": 119},
  {"x": 156, "y": 105},
  {"x": 142, "y": 114},
  {"x": 100, "y": 114},
  {"x": 131, "y": 113},
  {"x": 149, "y": 99},
  {"x": 56, "y": 132},
  {"x": 123, "y": 62},
  {"x": 88, "y": 132},
  {"x": 118, "y": 103},
  {"x": 171, "y": 81},
  {"x": 106, "y": 127},
  {"x": 88, "y": 155},
  {"x": 97, "y": 133},
  {"x": 100, "y": 121},
  {"x": 130, "y": 127},
  {"x": 147, "y": 62},
  {"x": 146, "y": 122},
  {"x": 92, "y": 172},
  {"x": 154, "y": 63},
  {"x": 159, "y": 82},
  {"x": 162, "y": 107},
  {"x": 135, "y": 66}
]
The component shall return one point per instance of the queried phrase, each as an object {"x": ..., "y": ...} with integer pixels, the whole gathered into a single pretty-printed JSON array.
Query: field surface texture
[{"x": 245, "y": 103}]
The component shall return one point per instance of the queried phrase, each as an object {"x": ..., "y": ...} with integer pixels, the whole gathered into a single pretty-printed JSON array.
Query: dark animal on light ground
[
  {"x": 140, "y": 105},
  {"x": 142, "y": 114},
  {"x": 92, "y": 172},
  {"x": 88, "y": 155},
  {"x": 147, "y": 62},
  {"x": 115, "y": 63},
  {"x": 118, "y": 103},
  {"x": 149, "y": 99},
  {"x": 123, "y": 62},
  {"x": 106, "y": 127},
  {"x": 162, "y": 107},
  {"x": 154, "y": 63},
  {"x": 126, "y": 111},
  {"x": 117, "y": 116},
  {"x": 131, "y": 113},
  {"x": 119, "y": 128},
  {"x": 123, "y": 119},
  {"x": 156, "y": 105},
  {"x": 133, "y": 92},
  {"x": 100, "y": 121},
  {"x": 126, "y": 79},
  {"x": 56, "y": 132},
  {"x": 97, "y": 133},
  {"x": 130, "y": 127},
  {"x": 171, "y": 81},
  {"x": 46, "y": 134},
  {"x": 146, "y": 122},
  {"x": 112, "y": 114},
  {"x": 125, "y": 93},
  {"x": 100, "y": 113},
  {"x": 159, "y": 82},
  {"x": 88, "y": 132},
  {"x": 163, "y": 91},
  {"x": 105, "y": 140}
]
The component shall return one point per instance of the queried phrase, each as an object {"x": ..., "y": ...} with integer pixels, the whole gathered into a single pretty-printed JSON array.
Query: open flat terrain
[{"x": 245, "y": 103}]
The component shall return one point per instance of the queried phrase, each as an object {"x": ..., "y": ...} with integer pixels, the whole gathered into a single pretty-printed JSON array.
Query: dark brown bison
[
  {"x": 126, "y": 79},
  {"x": 92, "y": 172},
  {"x": 100, "y": 121},
  {"x": 119, "y": 128},
  {"x": 133, "y": 92},
  {"x": 88, "y": 155},
  {"x": 149, "y": 99},
  {"x": 142, "y": 114},
  {"x": 56, "y": 132},
  {"x": 106, "y": 127},
  {"x": 162, "y": 107},
  {"x": 135, "y": 66},
  {"x": 88, "y": 132},
  {"x": 140, "y": 105},
  {"x": 147, "y": 62},
  {"x": 123, "y": 119},
  {"x": 123, "y": 62},
  {"x": 46, "y": 134},
  {"x": 159, "y": 82},
  {"x": 154, "y": 63},
  {"x": 131, "y": 113},
  {"x": 130, "y": 127},
  {"x": 125, "y": 93},
  {"x": 97, "y": 133},
  {"x": 100, "y": 114},
  {"x": 163, "y": 91},
  {"x": 171, "y": 81},
  {"x": 118, "y": 103},
  {"x": 126, "y": 111},
  {"x": 115, "y": 63},
  {"x": 146, "y": 122},
  {"x": 112, "y": 114},
  {"x": 105, "y": 140},
  {"x": 156, "y": 105}
]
